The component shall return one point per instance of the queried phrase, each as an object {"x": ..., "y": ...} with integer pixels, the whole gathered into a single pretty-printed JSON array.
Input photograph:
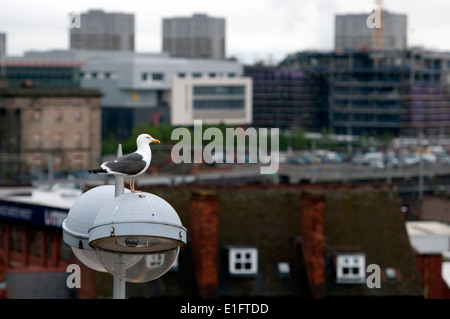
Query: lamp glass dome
[
  {"x": 138, "y": 268},
  {"x": 89, "y": 258}
]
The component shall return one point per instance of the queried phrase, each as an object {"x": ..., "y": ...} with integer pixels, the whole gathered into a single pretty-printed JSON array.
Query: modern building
[
  {"x": 48, "y": 128},
  {"x": 199, "y": 36},
  {"x": 153, "y": 88},
  {"x": 352, "y": 31},
  {"x": 402, "y": 92},
  {"x": 288, "y": 98},
  {"x": 40, "y": 73},
  {"x": 2, "y": 45},
  {"x": 99, "y": 30},
  {"x": 222, "y": 101}
]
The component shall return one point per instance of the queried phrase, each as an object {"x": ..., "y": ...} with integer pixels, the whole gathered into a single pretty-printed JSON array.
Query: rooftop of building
[{"x": 48, "y": 92}]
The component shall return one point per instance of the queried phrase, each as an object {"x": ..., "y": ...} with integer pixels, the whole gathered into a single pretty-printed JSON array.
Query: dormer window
[
  {"x": 351, "y": 268},
  {"x": 243, "y": 260}
]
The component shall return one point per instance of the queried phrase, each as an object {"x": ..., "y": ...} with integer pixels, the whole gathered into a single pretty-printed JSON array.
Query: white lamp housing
[
  {"x": 80, "y": 219},
  {"x": 137, "y": 236}
]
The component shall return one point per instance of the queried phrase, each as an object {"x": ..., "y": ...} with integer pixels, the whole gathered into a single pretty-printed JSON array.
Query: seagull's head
[{"x": 146, "y": 139}]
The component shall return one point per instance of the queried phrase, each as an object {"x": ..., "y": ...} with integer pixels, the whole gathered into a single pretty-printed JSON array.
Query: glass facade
[
  {"x": 43, "y": 76},
  {"x": 218, "y": 97}
]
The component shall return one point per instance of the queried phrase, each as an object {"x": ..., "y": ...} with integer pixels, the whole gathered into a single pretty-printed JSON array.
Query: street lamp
[
  {"x": 137, "y": 236},
  {"x": 134, "y": 236}
]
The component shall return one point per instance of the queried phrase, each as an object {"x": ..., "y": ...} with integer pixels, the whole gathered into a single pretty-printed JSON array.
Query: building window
[
  {"x": 78, "y": 117},
  {"x": 78, "y": 139},
  {"x": 351, "y": 268},
  {"x": 17, "y": 237},
  {"x": 57, "y": 140},
  {"x": 58, "y": 117},
  {"x": 37, "y": 116},
  {"x": 77, "y": 162},
  {"x": 218, "y": 105},
  {"x": 37, "y": 140},
  {"x": 35, "y": 242},
  {"x": 243, "y": 260},
  {"x": 144, "y": 76},
  {"x": 223, "y": 90},
  {"x": 158, "y": 76}
]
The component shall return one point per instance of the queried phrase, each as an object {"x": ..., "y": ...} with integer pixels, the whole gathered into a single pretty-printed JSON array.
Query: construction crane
[{"x": 379, "y": 36}]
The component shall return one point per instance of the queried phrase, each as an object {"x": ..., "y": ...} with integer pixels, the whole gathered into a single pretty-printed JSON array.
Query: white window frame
[
  {"x": 351, "y": 268},
  {"x": 243, "y": 261}
]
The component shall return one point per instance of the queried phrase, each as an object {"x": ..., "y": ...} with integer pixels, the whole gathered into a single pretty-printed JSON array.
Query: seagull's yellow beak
[{"x": 156, "y": 141}]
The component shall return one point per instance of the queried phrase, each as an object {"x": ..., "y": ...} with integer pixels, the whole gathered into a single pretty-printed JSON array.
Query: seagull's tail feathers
[{"x": 97, "y": 171}]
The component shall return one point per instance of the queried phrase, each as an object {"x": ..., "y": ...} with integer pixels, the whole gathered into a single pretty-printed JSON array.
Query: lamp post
[{"x": 134, "y": 236}]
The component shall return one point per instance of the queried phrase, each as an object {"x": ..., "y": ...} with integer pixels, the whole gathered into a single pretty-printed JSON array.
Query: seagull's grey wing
[{"x": 130, "y": 164}]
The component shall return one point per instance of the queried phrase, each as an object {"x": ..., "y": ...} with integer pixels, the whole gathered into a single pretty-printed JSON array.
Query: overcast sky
[{"x": 255, "y": 29}]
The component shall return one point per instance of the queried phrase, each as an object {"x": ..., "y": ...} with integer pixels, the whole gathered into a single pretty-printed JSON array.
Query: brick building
[
  {"x": 42, "y": 124},
  {"x": 242, "y": 244},
  {"x": 33, "y": 258},
  {"x": 297, "y": 241}
]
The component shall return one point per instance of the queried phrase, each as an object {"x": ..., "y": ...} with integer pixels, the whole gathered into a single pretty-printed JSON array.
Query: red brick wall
[
  {"x": 203, "y": 221},
  {"x": 430, "y": 270},
  {"x": 312, "y": 222}
]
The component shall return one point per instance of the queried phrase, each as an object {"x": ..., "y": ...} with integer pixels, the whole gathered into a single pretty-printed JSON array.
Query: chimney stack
[
  {"x": 312, "y": 232},
  {"x": 204, "y": 230}
]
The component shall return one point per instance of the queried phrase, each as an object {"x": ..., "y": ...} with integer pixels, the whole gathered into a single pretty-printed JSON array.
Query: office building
[
  {"x": 2, "y": 45},
  {"x": 199, "y": 36},
  {"x": 288, "y": 98},
  {"x": 154, "y": 88},
  {"x": 99, "y": 30},
  {"x": 401, "y": 92},
  {"x": 41, "y": 73},
  {"x": 353, "y": 33},
  {"x": 222, "y": 101}
]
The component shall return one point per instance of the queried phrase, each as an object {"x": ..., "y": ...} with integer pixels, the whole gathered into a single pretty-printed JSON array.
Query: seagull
[{"x": 130, "y": 165}]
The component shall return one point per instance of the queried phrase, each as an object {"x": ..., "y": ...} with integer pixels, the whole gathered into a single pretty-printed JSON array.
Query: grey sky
[{"x": 255, "y": 29}]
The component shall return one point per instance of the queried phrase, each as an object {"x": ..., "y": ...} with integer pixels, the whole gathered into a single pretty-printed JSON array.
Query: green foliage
[{"x": 163, "y": 132}]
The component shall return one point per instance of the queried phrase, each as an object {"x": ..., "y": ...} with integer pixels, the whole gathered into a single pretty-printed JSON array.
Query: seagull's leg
[
  {"x": 131, "y": 185},
  {"x": 134, "y": 191}
]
